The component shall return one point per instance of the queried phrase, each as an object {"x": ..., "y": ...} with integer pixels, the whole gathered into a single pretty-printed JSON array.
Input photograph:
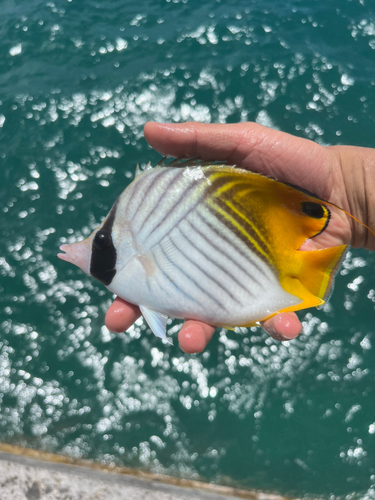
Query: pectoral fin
[{"x": 157, "y": 322}]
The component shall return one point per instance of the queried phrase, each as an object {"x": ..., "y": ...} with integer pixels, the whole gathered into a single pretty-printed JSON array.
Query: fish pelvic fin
[
  {"x": 157, "y": 322},
  {"x": 313, "y": 279}
]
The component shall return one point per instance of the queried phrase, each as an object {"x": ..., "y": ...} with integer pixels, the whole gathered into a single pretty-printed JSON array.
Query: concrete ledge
[{"x": 27, "y": 474}]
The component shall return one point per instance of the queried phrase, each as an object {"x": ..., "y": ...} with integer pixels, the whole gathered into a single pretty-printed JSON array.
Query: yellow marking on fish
[
  {"x": 232, "y": 221},
  {"x": 328, "y": 278},
  {"x": 262, "y": 202},
  {"x": 253, "y": 227},
  {"x": 227, "y": 187},
  {"x": 224, "y": 187}
]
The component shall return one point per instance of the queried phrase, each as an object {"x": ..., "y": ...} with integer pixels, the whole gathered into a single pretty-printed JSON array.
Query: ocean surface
[{"x": 78, "y": 80}]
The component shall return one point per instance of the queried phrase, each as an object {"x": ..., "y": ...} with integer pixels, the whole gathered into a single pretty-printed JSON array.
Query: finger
[
  {"x": 254, "y": 146},
  {"x": 285, "y": 326},
  {"x": 193, "y": 139},
  {"x": 194, "y": 336},
  {"x": 121, "y": 315}
]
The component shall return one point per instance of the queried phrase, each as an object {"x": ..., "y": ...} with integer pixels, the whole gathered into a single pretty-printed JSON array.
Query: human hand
[{"x": 335, "y": 174}]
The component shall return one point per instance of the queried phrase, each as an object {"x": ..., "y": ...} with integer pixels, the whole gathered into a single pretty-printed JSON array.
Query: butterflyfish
[{"x": 211, "y": 242}]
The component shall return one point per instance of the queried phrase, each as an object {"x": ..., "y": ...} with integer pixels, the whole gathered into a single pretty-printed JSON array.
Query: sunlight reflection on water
[{"x": 72, "y": 115}]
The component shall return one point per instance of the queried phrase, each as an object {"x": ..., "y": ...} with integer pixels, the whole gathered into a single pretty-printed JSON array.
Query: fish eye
[
  {"x": 314, "y": 210},
  {"x": 102, "y": 240}
]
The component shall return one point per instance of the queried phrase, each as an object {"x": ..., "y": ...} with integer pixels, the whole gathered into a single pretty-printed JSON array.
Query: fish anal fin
[{"x": 157, "y": 322}]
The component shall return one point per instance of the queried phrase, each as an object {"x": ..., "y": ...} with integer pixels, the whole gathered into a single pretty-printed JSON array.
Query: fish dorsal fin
[
  {"x": 157, "y": 322},
  {"x": 161, "y": 162},
  {"x": 139, "y": 170},
  {"x": 190, "y": 163}
]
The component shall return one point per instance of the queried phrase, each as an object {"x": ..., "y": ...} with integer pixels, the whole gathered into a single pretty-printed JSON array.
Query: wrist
[{"x": 357, "y": 167}]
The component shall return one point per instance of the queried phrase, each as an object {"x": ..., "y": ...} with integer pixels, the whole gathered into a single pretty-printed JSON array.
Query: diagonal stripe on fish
[{"x": 198, "y": 240}]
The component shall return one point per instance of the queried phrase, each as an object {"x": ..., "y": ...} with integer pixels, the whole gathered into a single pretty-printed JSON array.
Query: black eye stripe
[
  {"x": 111, "y": 217},
  {"x": 312, "y": 209},
  {"x": 103, "y": 254}
]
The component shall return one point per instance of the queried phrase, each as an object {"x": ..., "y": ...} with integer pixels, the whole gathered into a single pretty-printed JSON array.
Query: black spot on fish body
[
  {"x": 312, "y": 209},
  {"x": 103, "y": 251}
]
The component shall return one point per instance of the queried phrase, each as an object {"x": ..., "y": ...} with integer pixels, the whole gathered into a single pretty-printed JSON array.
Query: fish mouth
[{"x": 78, "y": 254}]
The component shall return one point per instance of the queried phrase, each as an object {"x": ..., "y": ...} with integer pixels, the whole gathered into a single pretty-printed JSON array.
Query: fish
[{"x": 211, "y": 242}]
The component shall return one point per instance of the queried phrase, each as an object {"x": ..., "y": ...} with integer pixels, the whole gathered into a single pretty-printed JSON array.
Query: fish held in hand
[{"x": 196, "y": 240}]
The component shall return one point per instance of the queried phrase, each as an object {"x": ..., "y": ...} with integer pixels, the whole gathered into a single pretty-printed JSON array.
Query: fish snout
[{"x": 78, "y": 254}]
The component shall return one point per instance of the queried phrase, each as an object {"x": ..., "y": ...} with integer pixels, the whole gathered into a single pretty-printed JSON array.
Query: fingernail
[
  {"x": 272, "y": 333},
  {"x": 279, "y": 337}
]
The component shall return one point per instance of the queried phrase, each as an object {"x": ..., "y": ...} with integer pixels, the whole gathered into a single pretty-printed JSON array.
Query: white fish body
[{"x": 171, "y": 252}]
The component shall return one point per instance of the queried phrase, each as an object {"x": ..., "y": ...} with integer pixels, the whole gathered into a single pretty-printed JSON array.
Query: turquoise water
[{"x": 78, "y": 80}]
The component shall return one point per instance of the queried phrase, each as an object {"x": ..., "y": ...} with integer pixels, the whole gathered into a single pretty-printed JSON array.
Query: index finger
[{"x": 250, "y": 145}]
